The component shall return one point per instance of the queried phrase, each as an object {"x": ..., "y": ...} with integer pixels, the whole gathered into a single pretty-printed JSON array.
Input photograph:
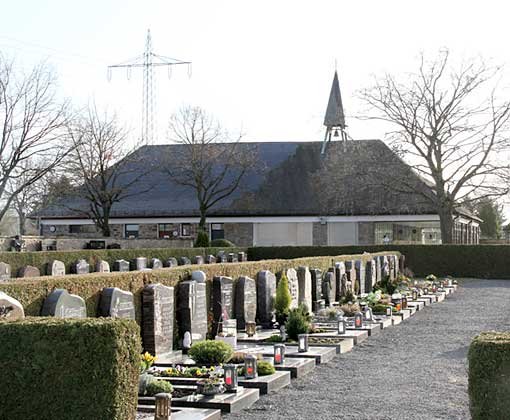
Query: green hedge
[
  {"x": 32, "y": 292},
  {"x": 54, "y": 369},
  {"x": 481, "y": 261},
  {"x": 489, "y": 376},
  {"x": 40, "y": 259}
]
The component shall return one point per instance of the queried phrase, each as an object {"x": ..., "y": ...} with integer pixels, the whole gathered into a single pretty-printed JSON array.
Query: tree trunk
[
  {"x": 446, "y": 223},
  {"x": 201, "y": 225},
  {"x": 104, "y": 222},
  {"x": 22, "y": 220}
]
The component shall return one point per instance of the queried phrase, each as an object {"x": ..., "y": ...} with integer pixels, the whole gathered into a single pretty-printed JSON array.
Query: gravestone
[
  {"x": 222, "y": 301},
  {"x": 378, "y": 272},
  {"x": 121, "y": 265},
  {"x": 61, "y": 304},
  {"x": 350, "y": 270},
  {"x": 184, "y": 261},
  {"x": 210, "y": 259},
  {"x": 158, "y": 319},
  {"x": 56, "y": 268},
  {"x": 293, "y": 287},
  {"x": 198, "y": 276},
  {"x": 402, "y": 263},
  {"x": 340, "y": 280},
  {"x": 221, "y": 258},
  {"x": 192, "y": 309},
  {"x": 328, "y": 287},
  {"x": 369, "y": 276},
  {"x": 385, "y": 266},
  {"x": 116, "y": 303},
  {"x": 10, "y": 308},
  {"x": 359, "y": 266},
  {"x": 305, "y": 286},
  {"x": 140, "y": 264},
  {"x": 231, "y": 258},
  {"x": 102, "y": 266},
  {"x": 171, "y": 262},
  {"x": 29, "y": 271},
  {"x": 391, "y": 261},
  {"x": 81, "y": 267},
  {"x": 316, "y": 284},
  {"x": 156, "y": 264},
  {"x": 242, "y": 257},
  {"x": 266, "y": 292},
  {"x": 5, "y": 271},
  {"x": 198, "y": 259},
  {"x": 245, "y": 304}
]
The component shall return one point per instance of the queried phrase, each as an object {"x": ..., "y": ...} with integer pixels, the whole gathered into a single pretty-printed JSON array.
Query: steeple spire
[{"x": 334, "y": 120}]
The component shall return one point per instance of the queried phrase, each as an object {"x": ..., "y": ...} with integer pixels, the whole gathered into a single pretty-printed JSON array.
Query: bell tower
[{"x": 334, "y": 120}]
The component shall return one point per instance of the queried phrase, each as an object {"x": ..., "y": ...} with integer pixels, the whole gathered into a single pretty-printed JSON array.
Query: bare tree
[
  {"x": 452, "y": 128},
  {"x": 32, "y": 129},
  {"x": 101, "y": 166},
  {"x": 210, "y": 162}
]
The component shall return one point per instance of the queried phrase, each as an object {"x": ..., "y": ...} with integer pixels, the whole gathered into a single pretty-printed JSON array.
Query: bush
[
  {"x": 283, "y": 298},
  {"x": 379, "y": 308},
  {"x": 69, "y": 369},
  {"x": 202, "y": 240},
  {"x": 489, "y": 373},
  {"x": 222, "y": 243},
  {"x": 298, "y": 322},
  {"x": 264, "y": 368},
  {"x": 155, "y": 387},
  {"x": 211, "y": 352}
]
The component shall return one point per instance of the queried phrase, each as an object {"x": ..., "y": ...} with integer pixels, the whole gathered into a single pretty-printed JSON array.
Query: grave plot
[{"x": 184, "y": 413}]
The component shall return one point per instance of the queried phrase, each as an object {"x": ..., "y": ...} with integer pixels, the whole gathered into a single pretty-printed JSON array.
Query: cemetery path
[{"x": 415, "y": 370}]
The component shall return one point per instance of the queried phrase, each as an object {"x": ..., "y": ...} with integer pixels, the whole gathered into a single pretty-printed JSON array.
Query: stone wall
[
  {"x": 320, "y": 234},
  {"x": 32, "y": 243},
  {"x": 68, "y": 244},
  {"x": 241, "y": 234},
  {"x": 366, "y": 233}
]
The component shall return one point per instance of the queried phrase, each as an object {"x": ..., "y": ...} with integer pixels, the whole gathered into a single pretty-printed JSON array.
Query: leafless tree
[
  {"x": 32, "y": 129},
  {"x": 101, "y": 166},
  {"x": 451, "y": 127},
  {"x": 210, "y": 162}
]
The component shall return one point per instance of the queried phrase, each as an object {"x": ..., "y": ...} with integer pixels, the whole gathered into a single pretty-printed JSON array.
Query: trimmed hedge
[
  {"x": 40, "y": 259},
  {"x": 31, "y": 292},
  {"x": 481, "y": 261},
  {"x": 489, "y": 376},
  {"x": 55, "y": 369}
]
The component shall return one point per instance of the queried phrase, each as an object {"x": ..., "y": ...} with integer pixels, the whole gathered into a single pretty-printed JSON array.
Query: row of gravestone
[{"x": 57, "y": 268}]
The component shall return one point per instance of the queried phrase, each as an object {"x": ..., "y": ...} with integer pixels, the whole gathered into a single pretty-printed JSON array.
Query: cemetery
[{"x": 194, "y": 341}]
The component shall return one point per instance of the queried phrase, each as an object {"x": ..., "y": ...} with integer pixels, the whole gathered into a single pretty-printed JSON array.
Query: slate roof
[{"x": 362, "y": 177}]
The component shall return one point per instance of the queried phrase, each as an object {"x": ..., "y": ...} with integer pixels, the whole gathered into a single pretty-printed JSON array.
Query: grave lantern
[
  {"x": 450, "y": 282},
  {"x": 283, "y": 333},
  {"x": 368, "y": 314},
  {"x": 279, "y": 354},
  {"x": 230, "y": 378},
  {"x": 434, "y": 288},
  {"x": 250, "y": 366},
  {"x": 341, "y": 326},
  {"x": 163, "y": 408},
  {"x": 415, "y": 294},
  {"x": 251, "y": 328},
  {"x": 396, "y": 299},
  {"x": 389, "y": 311},
  {"x": 426, "y": 291},
  {"x": 302, "y": 343},
  {"x": 404, "y": 302},
  {"x": 358, "y": 320}
]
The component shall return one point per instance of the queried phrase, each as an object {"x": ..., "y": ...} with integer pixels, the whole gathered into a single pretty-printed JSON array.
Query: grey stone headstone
[
  {"x": 10, "y": 308},
  {"x": 171, "y": 262},
  {"x": 370, "y": 272},
  {"x": 316, "y": 284},
  {"x": 305, "y": 286},
  {"x": 81, "y": 267},
  {"x": 5, "y": 271},
  {"x": 401, "y": 263},
  {"x": 245, "y": 304},
  {"x": 61, "y": 304},
  {"x": 385, "y": 267},
  {"x": 29, "y": 271},
  {"x": 221, "y": 258},
  {"x": 184, "y": 261},
  {"x": 392, "y": 264},
  {"x": 293, "y": 287},
  {"x": 140, "y": 264},
  {"x": 158, "y": 319},
  {"x": 210, "y": 259},
  {"x": 231, "y": 258},
  {"x": 192, "y": 309},
  {"x": 378, "y": 272},
  {"x": 242, "y": 257},
  {"x": 360, "y": 275},
  {"x": 350, "y": 270},
  {"x": 340, "y": 280},
  {"x": 102, "y": 267},
  {"x": 266, "y": 291},
  {"x": 56, "y": 268},
  {"x": 198, "y": 259},
  {"x": 328, "y": 287},
  {"x": 198, "y": 276},
  {"x": 116, "y": 303},
  {"x": 222, "y": 301},
  {"x": 156, "y": 263},
  {"x": 121, "y": 265}
]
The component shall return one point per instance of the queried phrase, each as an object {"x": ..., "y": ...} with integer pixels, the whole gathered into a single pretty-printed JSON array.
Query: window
[
  {"x": 74, "y": 228},
  {"x": 185, "y": 229},
  {"x": 131, "y": 231},
  {"x": 217, "y": 231},
  {"x": 166, "y": 231}
]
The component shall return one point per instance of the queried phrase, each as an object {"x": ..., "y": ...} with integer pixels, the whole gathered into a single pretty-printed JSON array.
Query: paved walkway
[{"x": 416, "y": 370}]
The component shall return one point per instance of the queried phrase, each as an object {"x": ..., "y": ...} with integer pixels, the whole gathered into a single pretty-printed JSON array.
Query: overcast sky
[{"x": 261, "y": 66}]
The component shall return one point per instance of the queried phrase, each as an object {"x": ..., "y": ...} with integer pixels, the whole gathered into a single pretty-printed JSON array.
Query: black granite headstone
[
  {"x": 221, "y": 258},
  {"x": 340, "y": 280},
  {"x": 121, "y": 265},
  {"x": 231, "y": 257},
  {"x": 116, "y": 303},
  {"x": 156, "y": 263},
  {"x": 222, "y": 301},
  {"x": 158, "y": 319},
  {"x": 402, "y": 263},
  {"x": 210, "y": 259},
  {"x": 184, "y": 261},
  {"x": 329, "y": 287},
  {"x": 61, "y": 304},
  {"x": 192, "y": 309},
  {"x": 266, "y": 292},
  {"x": 198, "y": 259},
  {"x": 242, "y": 257},
  {"x": 171, "y": 262},
  {"x": 245, "y": 301},
  {"x": 370, "y": 276},
  {"x": 316, "y": 284}
]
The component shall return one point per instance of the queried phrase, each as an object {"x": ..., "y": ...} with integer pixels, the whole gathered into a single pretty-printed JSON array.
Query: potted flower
[{"x": 212, "y": 385}]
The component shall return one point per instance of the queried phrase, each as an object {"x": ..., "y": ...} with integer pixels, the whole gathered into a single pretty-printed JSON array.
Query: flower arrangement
[
  {"x": 186, "y": 372},
  {"x": 211, "y": 385},
  {"x": 146, "y": 361}
]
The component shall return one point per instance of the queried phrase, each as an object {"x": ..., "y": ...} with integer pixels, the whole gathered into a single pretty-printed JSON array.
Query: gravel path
[{"x": 416, "y": 370}]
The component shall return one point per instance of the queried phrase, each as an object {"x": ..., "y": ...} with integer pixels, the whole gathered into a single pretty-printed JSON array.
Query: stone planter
[
  {"x": 210, "y": 390},
  {"x": 143, "y": 380}
]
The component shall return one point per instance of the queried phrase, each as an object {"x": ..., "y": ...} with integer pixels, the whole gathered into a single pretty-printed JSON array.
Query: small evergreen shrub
[
  {"x": 211, "y": 352},
  {"x": 222, "y": 243},
  {"x": 155, "y": 387},
  {"x": 202, "y": 240},
  {"x": 283, "y": 298},
  {"x": 264, "y": 368},
  {"x": 298, "y": 321}
]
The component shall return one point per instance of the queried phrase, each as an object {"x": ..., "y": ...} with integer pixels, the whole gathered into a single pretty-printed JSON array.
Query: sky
[{"x": 261, "y": 67}]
